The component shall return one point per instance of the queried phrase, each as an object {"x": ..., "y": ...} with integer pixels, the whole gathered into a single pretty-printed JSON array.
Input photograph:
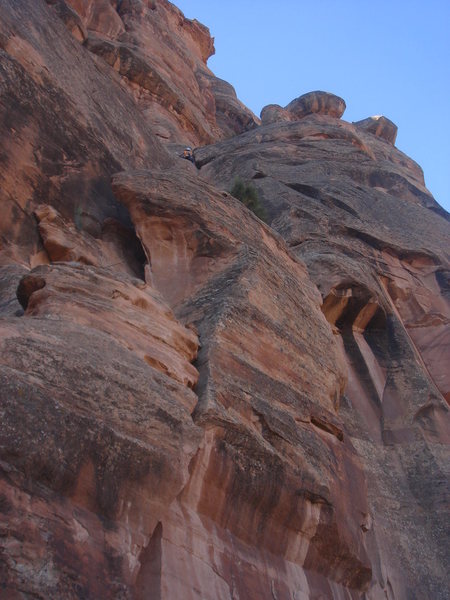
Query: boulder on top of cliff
[
  {"x": 379, "y": 126},
  {"x": 323, "y": 103},
  {"x": 191, "y": 405},
  {"x": 274, "y": 113}
]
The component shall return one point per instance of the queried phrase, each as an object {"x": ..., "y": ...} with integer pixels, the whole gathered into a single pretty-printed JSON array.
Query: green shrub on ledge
[{"x": 248, "y": 195}]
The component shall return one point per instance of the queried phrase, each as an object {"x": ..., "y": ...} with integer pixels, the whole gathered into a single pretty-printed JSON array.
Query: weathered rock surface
[
  {"x": 70, "y": 18},
  {"x": 355, "y": 209},
  {"x": 269, "y": 451},
  {"x": 322, "y": 103},
  {"x": 67, "y": 124},
  {"x": 10, "y": 275},
  {"x": 116, "y": 245},
  {"x": 195, "y": 404},
  {"x": 162, "y": 58},
  {"x": 96, "y": 432},
  {"x": 98, "y": 15},
  {"x": 379, "y": 126},
  {"x": 273, "y": 113},
  {"x": 160, "y": 341}
]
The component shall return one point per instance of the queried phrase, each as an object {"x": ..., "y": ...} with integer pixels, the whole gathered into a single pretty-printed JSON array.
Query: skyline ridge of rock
[{"x": 196, "y": 403}]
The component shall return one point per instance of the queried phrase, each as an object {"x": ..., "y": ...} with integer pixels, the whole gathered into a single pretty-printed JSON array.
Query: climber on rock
[{"x": 188, "y": 154}]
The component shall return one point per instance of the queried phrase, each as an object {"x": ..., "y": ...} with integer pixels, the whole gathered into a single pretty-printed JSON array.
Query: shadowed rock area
[{"x": 194, "y": 403}]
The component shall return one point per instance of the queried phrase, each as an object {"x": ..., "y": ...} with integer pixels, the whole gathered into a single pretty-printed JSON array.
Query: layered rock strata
[
  {"x": 162, "y": 57},
  {"x": 96, "y": 434},
  {"x": 195, "y": 404},
  {"x": 67, "y": 125}
]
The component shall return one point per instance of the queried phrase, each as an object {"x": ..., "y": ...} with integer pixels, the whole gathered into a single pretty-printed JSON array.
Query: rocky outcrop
[
  {"x": 194, "y": 403},
  {"x": 70, "y": 18},
  {"x": 160, "y": 341},
  {"x": 81, "y": 115},
  {"x": 99, "y": 16},
  {"x": 65, "y": 241},
  {"x": 273, "y": 113},
  {"x": 150, "y": 44},
  {"x": 356, "y": 210},
  {"x": 66, "y": 125},
  {"x": 322, "y": 103},
  {"x": 379, "y": 126}
]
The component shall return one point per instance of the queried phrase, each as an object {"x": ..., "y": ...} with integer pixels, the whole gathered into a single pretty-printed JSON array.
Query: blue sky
[{"x": 389, "y": 57}]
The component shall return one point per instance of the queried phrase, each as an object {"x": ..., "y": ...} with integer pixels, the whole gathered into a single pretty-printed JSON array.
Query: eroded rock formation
[
  {"x": 161, "y": 57},
  {"x": 355, "y": 209},
  {"x": 196, "y": 404}
]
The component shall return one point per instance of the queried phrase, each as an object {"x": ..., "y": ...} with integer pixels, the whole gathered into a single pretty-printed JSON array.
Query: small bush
[{"x": 248, "y": 195}]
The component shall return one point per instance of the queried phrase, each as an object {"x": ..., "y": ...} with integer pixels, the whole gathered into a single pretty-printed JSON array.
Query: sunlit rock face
[
  {"x": 162, "y": 57},
  {"x": 96, "y": 434},
  {"x": 194, "y": 403},
  {"x": 85, "y": 105},
  {"x": 67, "y": 125},
  {"x": 270, "y": 451}
]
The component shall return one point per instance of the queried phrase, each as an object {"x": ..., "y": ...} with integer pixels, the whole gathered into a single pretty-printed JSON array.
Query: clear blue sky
[{"x": 389, "y": 57}]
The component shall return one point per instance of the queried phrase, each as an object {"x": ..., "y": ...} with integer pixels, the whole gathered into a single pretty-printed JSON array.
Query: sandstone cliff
[{"x": 194, "y": 403}]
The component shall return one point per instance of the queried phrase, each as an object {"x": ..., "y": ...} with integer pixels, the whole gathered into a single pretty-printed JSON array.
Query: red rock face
[
  {"x": 195, "y": 404},
  {"x": 88, "y": 387},
  {"x": 356, "y": 211},
  {"x": 268, "y": 448},
  {"x": 161, "y": 57}
]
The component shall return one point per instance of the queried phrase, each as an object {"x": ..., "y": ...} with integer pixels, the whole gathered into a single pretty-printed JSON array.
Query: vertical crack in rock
[{"x": 148, "y": 583}]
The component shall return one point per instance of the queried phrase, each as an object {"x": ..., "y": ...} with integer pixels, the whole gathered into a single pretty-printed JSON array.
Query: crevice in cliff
[
  {"x": 356, "y": 314},
  {"x": 88, "y": 410},
  {"x": 372, "y": 384},
  {"x": 351, "y": 306},
  {"x": 420, "y": 314},
  {"x": 324, "y": 198},
  {"x": 148, "y": 583},
  {"x": 327, "y": 427},
  {"x": 29, "y": 285},
  {"x": 204, "y": 311},
  {"x": 115, "y": 245},
  {"x": 443, "y": 280}
]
